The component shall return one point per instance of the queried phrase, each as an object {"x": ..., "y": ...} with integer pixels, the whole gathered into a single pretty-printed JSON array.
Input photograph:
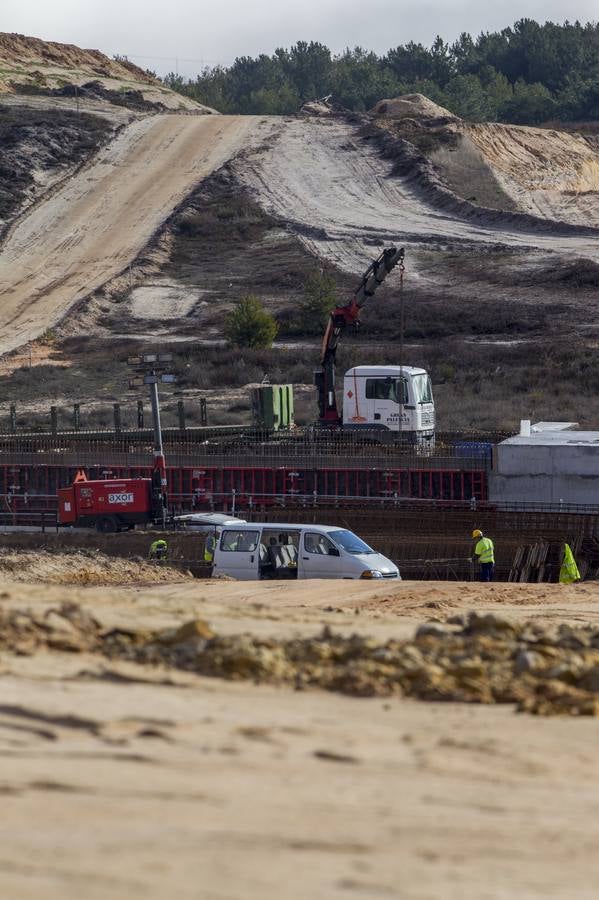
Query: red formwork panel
[{"x": 200, "y": 487}]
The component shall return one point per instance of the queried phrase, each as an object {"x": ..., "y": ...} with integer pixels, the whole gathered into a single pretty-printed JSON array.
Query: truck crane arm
[{"x": 339, "y": 319}]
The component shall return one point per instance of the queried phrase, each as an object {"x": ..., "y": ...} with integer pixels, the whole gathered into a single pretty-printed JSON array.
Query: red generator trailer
[{"x": 108, "y": 505}]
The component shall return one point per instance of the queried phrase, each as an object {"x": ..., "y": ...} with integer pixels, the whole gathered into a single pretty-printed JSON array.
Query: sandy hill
[
  {"x": 411, "y": 106},
  {"x": 540, "y": 171},
  {"x": 29, "y": 64}
]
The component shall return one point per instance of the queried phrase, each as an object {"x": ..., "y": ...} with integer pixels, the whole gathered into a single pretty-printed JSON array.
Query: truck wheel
[{"x": 107, "y": 524}]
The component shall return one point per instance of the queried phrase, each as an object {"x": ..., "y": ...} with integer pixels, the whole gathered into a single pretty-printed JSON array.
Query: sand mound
[
  {"x": 83, "y": 567},
  {"x": 553, "y": 174},
  {"x": 28, "y": 63},
  {"x": 412, "y": 106},
  {"x": 18, "y": 48}
]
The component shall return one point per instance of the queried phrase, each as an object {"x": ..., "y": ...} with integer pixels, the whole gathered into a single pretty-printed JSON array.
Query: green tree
[
  {"x": 319, "y": 299},
  {"x": 531, "y": 104},
  {"x": 359, "y": 80},
  {"x": 250, "y": 325},
  {"x": 466, "y": 98}
]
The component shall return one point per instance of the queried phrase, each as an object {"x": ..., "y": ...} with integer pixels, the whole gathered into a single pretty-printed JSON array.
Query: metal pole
[
  {"x": 156, "y": 419},
  {"x": 159, "y": 463}
]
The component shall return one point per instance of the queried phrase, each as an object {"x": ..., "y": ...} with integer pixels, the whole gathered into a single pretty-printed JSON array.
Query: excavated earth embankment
[{"x": 258, "y": 719}]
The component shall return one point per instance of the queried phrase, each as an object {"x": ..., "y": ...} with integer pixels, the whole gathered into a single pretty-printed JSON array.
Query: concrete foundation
[{"x": 547, "y": 467}]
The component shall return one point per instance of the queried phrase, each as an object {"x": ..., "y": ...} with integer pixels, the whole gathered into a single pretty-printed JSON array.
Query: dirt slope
[
  {"x": 31, "y": 64},
  {"x": 92, "y": 228},
  {"x": 553, "y": 174},
  {"x": 339, "y": 195}
]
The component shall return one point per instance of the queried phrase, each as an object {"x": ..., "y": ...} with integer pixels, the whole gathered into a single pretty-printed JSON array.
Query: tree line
[{"x": 525, "y": 74}]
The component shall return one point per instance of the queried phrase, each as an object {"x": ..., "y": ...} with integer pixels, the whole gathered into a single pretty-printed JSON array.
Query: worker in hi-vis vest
[
  {"x": 568, "y": 572},
  {"x": 158, "y": 549},
  {"x": 484, "y": 551},
  {"x": 210, "y": 546}
]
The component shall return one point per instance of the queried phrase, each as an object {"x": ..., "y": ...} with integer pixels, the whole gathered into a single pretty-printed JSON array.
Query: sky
[{"x": 185, "y": 35}]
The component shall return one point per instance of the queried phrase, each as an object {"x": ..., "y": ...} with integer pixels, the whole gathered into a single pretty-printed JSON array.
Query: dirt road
[
  {"x": 92, "y": 228},
  {"x": 122, "y": 780},
  {"x": 338, "y": 193}
]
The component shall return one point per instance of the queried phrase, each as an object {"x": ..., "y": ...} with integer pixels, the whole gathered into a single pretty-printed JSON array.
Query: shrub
[
  {"x": 319, "y": 299},
  {"x": 249, "y": 325}
]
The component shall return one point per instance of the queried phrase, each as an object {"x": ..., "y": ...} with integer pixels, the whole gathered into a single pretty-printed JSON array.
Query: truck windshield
[
  {"x": 349, "y": 541},
  {"x": 422, "y": 389}
]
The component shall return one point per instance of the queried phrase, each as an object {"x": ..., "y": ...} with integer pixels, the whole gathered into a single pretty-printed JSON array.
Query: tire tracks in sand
[{"x": 90, "y": 230}]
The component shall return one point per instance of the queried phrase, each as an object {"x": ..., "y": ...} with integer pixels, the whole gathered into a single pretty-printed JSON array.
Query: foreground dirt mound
[
  {"x": 544, "y": 670},
  {"x": 485, "y": 659},
  {"x": 412, "y": 106},
  {"x": 28, "y": 63},
  {"x": 83, "y": 568}
]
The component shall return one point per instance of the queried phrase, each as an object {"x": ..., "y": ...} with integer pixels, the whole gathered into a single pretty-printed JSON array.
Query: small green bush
[{"x": 250, "y": 325}]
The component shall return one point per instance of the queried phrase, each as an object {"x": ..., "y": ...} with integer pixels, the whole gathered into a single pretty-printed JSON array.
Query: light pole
[{"x": 149, "y": 364}]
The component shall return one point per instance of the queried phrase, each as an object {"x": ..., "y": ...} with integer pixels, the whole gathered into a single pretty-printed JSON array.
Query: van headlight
[{"x": 371, "y": 573}]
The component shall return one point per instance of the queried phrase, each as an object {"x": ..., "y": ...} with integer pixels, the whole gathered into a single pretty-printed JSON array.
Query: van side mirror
[{"x": 333, "y": 551}]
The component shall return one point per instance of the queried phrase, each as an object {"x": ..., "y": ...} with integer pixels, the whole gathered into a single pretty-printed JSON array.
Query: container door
[
  {"x": 237, "y": 554},
  {"x": 319, "y": 558}
]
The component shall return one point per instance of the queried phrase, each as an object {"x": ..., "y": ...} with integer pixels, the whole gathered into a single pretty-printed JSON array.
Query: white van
[{"x": 279, "y": 551}]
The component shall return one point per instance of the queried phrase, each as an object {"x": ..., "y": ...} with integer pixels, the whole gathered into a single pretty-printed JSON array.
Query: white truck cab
[
  {"x": 393, "y": 398},
  {"x": 279, "y": 551}
]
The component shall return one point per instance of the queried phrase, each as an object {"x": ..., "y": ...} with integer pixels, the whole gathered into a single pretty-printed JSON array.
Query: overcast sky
[{"x": 184, "y": 35}]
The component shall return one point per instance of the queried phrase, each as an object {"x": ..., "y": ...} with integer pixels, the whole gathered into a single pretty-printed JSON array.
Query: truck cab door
[
  {"x": 237, "y": 554},
  {"x": 390, "y": 396}
]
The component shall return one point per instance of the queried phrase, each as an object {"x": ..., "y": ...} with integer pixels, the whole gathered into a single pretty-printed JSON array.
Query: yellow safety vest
[
  {"x": 209, "y": 548},
  {"x": 158, "y": 545},
  {"x": 485, "y": 550},
  {"x": 569, "y": 570}
]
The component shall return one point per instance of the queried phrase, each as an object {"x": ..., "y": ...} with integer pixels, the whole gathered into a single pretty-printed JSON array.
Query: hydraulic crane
[{"x": 340, "y": 318}]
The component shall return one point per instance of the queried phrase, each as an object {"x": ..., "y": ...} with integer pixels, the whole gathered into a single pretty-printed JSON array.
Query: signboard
[{"x": 122, "y": 498}]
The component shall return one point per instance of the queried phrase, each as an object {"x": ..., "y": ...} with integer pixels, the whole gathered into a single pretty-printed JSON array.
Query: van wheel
[{"x": 107, "y": 524}]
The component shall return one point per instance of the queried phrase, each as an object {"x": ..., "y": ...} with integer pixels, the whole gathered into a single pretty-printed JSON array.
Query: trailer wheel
[{"x": 107, "y": 524}]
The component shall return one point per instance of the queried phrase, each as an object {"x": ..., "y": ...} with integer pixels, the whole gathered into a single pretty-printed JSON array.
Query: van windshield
[{"x": 349, "y": 541}]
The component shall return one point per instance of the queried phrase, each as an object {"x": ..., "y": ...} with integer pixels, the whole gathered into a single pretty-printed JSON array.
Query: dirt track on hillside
[
  {"x": 129, "y": 780},
  {"x": 94, "y": 226},
  {"x": 339, "y": 196}
]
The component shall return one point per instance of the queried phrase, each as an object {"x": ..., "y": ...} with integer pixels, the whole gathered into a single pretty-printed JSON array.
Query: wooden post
[
  {"x": 140, "y": 414},
  {"x": 203, "y": 412},
  {"x": 54, "y": 419},
  {"x": 181, "y": 413}
]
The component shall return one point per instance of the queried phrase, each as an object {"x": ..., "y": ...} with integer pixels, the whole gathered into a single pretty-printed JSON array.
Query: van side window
[
  {"x": 317, "y": 543},
  {"x": 239, "y": 541}
]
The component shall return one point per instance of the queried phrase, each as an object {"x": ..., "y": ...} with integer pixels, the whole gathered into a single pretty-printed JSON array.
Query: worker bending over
[
  {"x": 484, "y": 551},
  {"x": 158, "y": 549}
]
